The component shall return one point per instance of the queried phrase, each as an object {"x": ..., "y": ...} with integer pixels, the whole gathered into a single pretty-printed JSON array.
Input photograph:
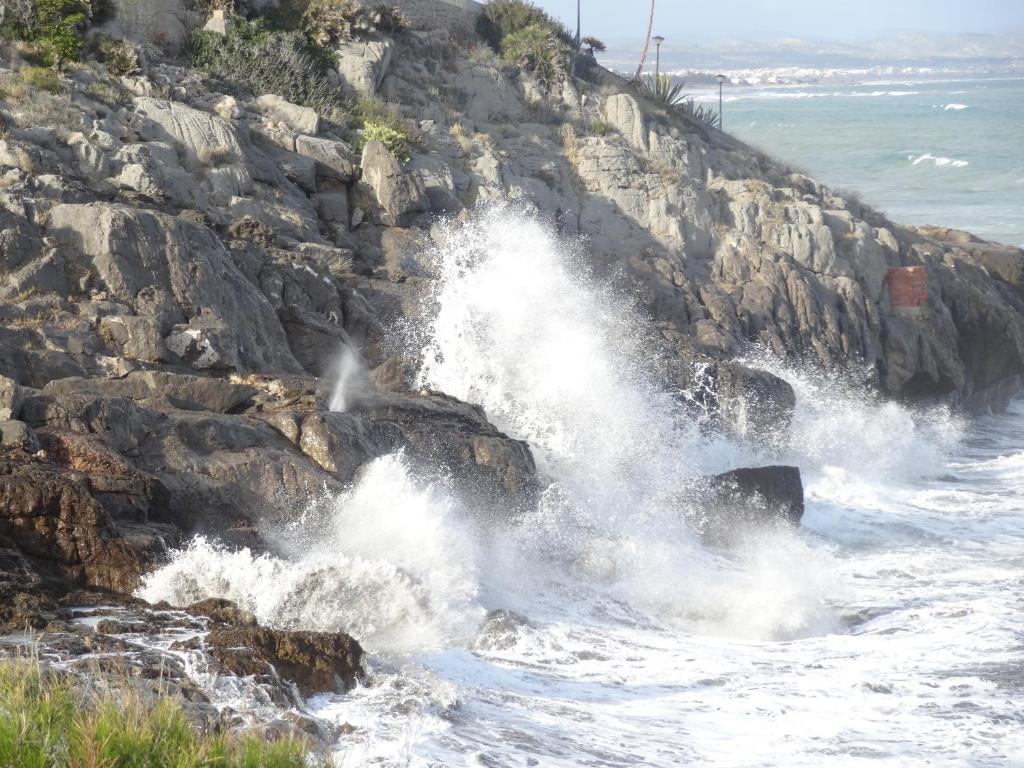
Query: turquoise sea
[{"x": 943, "y": 151}]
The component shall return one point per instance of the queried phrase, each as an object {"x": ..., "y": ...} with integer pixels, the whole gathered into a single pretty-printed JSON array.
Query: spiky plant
[
  {"x": 700, "y": 113},
  {"x": 663, "y": 89}
]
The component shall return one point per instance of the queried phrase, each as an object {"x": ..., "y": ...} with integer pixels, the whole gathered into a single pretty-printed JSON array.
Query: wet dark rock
[
  {"x": 750, "y": 499},
  {"x": 751, "y": 403},
  {"x": 501, "y": 630},
  {"x": 54, "y": 517},
  {"x": 222, "y": 611},
  {"x": 316, "y": 662}
]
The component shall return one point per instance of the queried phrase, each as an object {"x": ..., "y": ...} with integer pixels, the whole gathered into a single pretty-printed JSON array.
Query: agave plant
[
  {"x": 701, "y": 113},
  {"x": 663, "y": 89}
]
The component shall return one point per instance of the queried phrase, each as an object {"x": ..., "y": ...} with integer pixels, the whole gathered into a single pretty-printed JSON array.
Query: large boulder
[
  {"x": 749, "y": 499},
  {"x": 317, "y": 662}
]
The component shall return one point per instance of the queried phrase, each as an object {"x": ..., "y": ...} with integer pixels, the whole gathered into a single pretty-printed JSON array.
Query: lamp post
[
  {"x": 721, "y": 79},
  {"x": 578, "y": 23},
  {"x": 658, "y": 40}
]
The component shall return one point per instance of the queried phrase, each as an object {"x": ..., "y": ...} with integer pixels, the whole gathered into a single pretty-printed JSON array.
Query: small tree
[
  {"x": 593, "y": 45},
  {"x": 54, "y": 26}
]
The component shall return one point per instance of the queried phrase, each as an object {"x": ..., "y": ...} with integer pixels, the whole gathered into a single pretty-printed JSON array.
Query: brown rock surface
[{"x": 316, "y": 662}]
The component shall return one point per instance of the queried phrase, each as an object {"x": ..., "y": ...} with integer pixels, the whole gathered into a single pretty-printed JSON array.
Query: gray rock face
[
  {"x": 362, "y": 64},
  {"x": 390, "y": 196},
  {"x": 181, "y": 275},
  {"x": 10, "y": 398},
  {"x": 300, "y": 119}
]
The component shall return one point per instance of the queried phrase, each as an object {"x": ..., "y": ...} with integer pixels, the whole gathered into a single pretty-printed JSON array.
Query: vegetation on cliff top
[
  {"x": 53, "y": 28},
  {"x": 528, "y": 37},
  {"x": 46, "y": 722},
  {"x": 287, "y": 54}
]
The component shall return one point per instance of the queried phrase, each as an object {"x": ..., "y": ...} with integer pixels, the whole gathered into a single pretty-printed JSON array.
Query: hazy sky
[{"x": 818, "y": 19}]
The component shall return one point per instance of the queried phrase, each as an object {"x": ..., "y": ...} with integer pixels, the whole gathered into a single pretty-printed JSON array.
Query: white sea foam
[
  {"x": 954, "y": 107},
  {"x": 391, "y": 562},
  {"x": 939, "y": 162}
]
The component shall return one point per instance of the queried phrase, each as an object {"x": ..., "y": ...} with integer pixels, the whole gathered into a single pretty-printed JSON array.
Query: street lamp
[
  {"x": 721, "y": 79},
  {"x": 658, "y": 40},
  {"x": 577, "y": 23}
]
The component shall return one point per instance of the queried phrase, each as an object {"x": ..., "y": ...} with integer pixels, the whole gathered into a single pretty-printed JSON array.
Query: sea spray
[
  {"x": 350, "y": 380},
  {"x": 391, "y": 562},
  {"x": 518, "y": 324},
  {"x": 557, "y": 358}
]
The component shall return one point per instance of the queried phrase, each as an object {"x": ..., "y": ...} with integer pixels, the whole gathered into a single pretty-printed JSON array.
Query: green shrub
[
  {"x": 329, "y": 22},
  {"x": 388, "y": 19},
  {"x": 43, "y": 78},
  {"x": 593, "y": 45},
  {"x": 502, "y": 18},
  {"x": 120, "y": 56},
  {"x": 54, "y": 27},
  {"x": 46, "y": 722},
  {"x": 597, "y": 128},
  {"x": 254, "y": 58},
  {"x": 380, "y": 123},
  {"x": 540, "y": 52}
]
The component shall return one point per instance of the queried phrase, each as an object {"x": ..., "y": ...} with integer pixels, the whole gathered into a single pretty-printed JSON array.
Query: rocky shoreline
[{"x": 182, "y": 264}]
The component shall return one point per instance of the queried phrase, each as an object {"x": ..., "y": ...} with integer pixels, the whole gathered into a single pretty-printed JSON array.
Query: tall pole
[
  {"x": 719, "y": 105},
  {"x": 647, "y": 43},
  {"x": 657, "y": 60},
  {"x": 721, "y": 81},
  {"x": 578, "y": 23}
]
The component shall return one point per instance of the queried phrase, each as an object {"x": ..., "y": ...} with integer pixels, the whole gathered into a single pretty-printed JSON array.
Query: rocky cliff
[{"x": 182, "y": 263}]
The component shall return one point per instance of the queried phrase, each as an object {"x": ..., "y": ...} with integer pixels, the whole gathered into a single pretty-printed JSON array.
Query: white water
[{"x": 888, "y": 631}]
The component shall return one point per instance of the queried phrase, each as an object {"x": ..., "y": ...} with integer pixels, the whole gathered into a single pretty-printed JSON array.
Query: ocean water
[
  {"x": 947, "y": 152},
  {"x": 598, "y": 629}
]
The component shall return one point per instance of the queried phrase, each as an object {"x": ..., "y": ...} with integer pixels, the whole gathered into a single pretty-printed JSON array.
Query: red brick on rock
[{"x": 908, "y": 286}]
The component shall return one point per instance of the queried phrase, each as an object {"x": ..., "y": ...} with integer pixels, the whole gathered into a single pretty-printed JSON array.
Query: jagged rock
[
  {"x": 317, "y": 662},
  {"x": 183, "y": 391},
  {"x": 56, "y": 520},
  {"x": 160, "y": 22},
  {"x": 624, "y": 114},
  {"x": 134, "y": 337},
  {"x": 334, "y": 159},
  {"x": 391, "y": 196},
  {"x": 300, "y": 119},
  {"x": 10, "y": 398},
  {"x": 18, "y": 434},
  {"x": 20, "y": 241},
  {"x": 197, "y": 133},
  {"x": 332, "y": 206},
  {"x": 222, "y": 611},
  {"x": 751, "y": 403},
  {"x": 341, "y": 443}
]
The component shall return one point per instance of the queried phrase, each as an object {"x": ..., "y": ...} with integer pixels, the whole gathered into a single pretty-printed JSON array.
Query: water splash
[
  {"x": 392, "y": 562},
  {"x": 350, "y": 380}
]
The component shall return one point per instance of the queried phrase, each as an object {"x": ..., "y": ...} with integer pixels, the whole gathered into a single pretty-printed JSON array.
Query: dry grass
[{"x": 214, "y": 156}]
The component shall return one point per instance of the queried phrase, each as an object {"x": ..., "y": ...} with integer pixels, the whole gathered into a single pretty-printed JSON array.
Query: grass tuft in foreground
[{"x": 47, "y": 722}]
